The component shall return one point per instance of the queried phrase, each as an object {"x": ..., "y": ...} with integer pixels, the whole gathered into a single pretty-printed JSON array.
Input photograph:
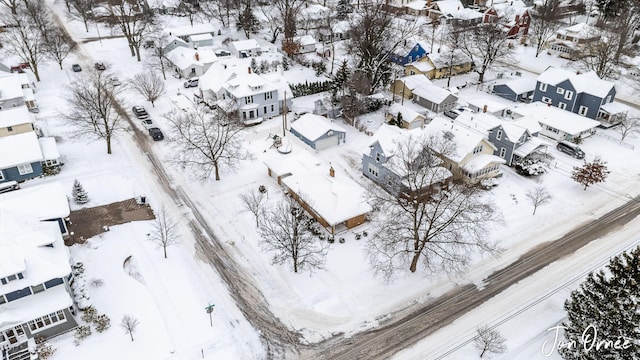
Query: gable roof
[
  {"x": 313, "y": 126},
  {"x": 465, "y": 140},
  {"x": 588, "y": 83},
  {"x": 408, "y": 115},
  {"x": 184, "y": 57},
  {"x": 432, "y": 93},
  {"x": 15, "y": 116},
  {"x": 414, "y": 81},
  {"x": 520, "y": 85},
  {"x": 10, "y": 86},
  {"x": 19, "y": 149},
  {"x": 248, "y": 44},
  {"x": 50, "y": 197},
  {"x": 563, "y": 120}
]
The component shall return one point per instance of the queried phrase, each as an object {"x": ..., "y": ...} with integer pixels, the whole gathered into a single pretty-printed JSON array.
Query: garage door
[{"x": 326, "y": 142}]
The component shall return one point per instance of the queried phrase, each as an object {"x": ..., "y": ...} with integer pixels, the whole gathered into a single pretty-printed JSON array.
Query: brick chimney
[
  {"x": 197, "y": 57},
  {"x": 484, "y": 109},
  {"x": 332, "y": 172},
  {"x": 249, "y": 69}
]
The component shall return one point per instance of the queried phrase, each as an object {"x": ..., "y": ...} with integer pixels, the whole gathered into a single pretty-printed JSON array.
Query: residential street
[{"x": 402, "y": 329}]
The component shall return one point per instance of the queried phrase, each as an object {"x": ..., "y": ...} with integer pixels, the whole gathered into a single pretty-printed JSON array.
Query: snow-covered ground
[{"x": 169, "y": 296}]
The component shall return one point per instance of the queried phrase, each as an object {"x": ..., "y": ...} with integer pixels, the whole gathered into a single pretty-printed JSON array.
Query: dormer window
[{"x": 9, "y": 278}]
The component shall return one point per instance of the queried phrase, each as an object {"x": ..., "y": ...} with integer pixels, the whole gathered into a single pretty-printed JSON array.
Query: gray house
[
  {"x": 434, "y": 98},
  {"x": 515, "y": 89},
  {"x": 582, "y": 94},
  {"x": 318, "y": 131}
]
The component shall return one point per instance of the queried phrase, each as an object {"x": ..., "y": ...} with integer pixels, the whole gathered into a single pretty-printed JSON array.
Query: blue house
[
  {"x": 409, "y": 52},
  {"x": 582, "y": 94},
  {"x": 318, "y": 131},
  {"x": 20, "y": 157},
  {"x": 520, "y": 89}
]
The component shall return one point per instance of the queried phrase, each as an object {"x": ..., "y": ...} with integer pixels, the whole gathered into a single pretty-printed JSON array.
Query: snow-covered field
[{"x": 169, "y": 296}]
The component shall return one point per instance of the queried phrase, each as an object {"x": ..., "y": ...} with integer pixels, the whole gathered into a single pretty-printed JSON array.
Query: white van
[{"x": 9, "y": 186}]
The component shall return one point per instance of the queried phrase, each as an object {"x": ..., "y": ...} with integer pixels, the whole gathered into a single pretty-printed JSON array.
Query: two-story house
[
  {"x": 583, "y": 94},
  {"x": 410, "y": 50},
  {"x": 440, "y": 65},
  {"x": 454, "y": 12},
  {"x": 515, "y": 15},
  {"x": 570, "y": 41},
  {"x": 35, "y": 296}
]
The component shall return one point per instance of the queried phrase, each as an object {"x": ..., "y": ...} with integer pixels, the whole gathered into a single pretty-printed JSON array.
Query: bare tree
[
  {"x": 247, "y": 21},
  {"x": 544, "y": 23},
  {"x": 93, "y": 104},
  {"x": 207, "y": 141},
  {"x": 485, "y": 44},
  {"x": 538, "y": 196},
  {"x": 40, "y": 18},
  {"x": 599, "y": 56},
  {"x": 425, "y": 218},
  {"x": 23, "y": 40},
  {"x": 628, "y": 125},
  {"x": 158, "y": 60},
  {"x": 219, "y": 9},
  {"x": 373, "y": 37},
  {"x": 165, "y": 230},
  {"x": 81, "y": 10},
  {"x": 188, "y": 9},
  {"x": 149, "y": 84},
  {"x": 270, "y": 16},
  {"x": 11, "y": 5},
  {"x": 59, "y": 46},
  {"x": 252, "y": 201},
  {"x": 129, "y": 324},
  {"x": 590, "y": 173},
  {"x": 285, "y": 233},
  {"x": 489, "y": 340},
  {"x": 289, "y": 11},
  {"x": 133, "y": 24}
]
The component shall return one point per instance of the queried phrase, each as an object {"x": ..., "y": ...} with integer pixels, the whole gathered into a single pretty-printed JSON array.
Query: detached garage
[{"x": 318, "y": 131}]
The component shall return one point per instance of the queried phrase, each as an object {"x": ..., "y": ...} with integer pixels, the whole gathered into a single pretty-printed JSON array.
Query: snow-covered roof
[
  {"x": 305, "y": 40},
  {"x": 192, "y": 30},
  {"x": 588, "y": 83},
  {"x": 493, "y": 103},
  {"x": 34, "y": 306},
  {"x": 482, "y": 122},
  {"x": 313, "y": 126},
  {"x": 248, "y": 44},
  {"x": 41, "y": 202},
  {"x": 201, "y": 37},
  {"x": 530, "y": 124},
  {"x": 432, "y": 93},
  {"x": 510, "y": 7},
  {"x": 465, "y": 140},
  {"x": 408, "y": 115},
  {"x": 314, "y": 12},
  {"x": 336, "y": 199},
  {"x": 184, "y": 57},
  {"x": 520, "y": 85},
  {"x": 15, "y": 116},
  {"x": 388, "y": 136},
  {"x": 580, "y": 30},
  {"x": 287, "y": 164},
  {"x": 215, "y": 77},
  {"x": 531, "y": 145},
  {"x": 456, "y": 56},
  {"x": 417, "y": 5},
  {"x": 615, "y": 107},
  {"x": 10, "y": 87},
  {"x": 19, "y": 149},
  {"x": 422, "y": 66},
  {"x": 449, "y": 6},
  {"x": 243, "y": 83},
  {"x": 480, "y": 161},
  {"x": 414, "y": 81},
  {"x": 49, "y": 148},
  {"x": 557, "y": 118}
]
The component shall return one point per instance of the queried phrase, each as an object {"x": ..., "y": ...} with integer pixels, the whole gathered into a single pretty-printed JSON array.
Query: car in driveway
[
  {"x": 9, "y": 186},
  {"x": 191, "y": 83},
  {"x": 140, "y": 112},
  {"x": 453, "y": 113},
  {"x": 76, "y": 68},
  {"x": 156, "y": 134},
  {"x": 571, "y": 149},
  {"x": 148, "y": 123}
]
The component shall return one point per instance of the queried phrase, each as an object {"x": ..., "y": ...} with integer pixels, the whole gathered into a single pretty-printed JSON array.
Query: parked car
[
  {"x": 453, "y": 113},
  {"x": 76, "y": 67},
  {"x": 114, "y": 81},
  {"x": 9, "y": 186},
  {"x": 100, "y": 66},
  {"x": 148, "y": 123},
  {"x": 20, "y": 67},
  {"x": 571, "y": 149},
  {"x": 139, "y": 112},
  {"x": 191, "y": 83},
  {"x": 156, "y": 134}
]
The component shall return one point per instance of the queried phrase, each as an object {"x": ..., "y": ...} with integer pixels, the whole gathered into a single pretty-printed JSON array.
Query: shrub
[
  {"x": 43, "y": 349},
  {"x": 102, "y": 323},
  {"x": 81, "y": 333},
  {"x": 89, "y": 314},
  {"x": 341, "y": 240}
]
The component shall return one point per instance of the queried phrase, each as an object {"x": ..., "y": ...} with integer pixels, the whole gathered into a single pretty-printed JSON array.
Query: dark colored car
[
  {"x": 139, "y": 112},
  {"x": 156, "y": 134},
  {"x": 76, "y": 68},
  {"x": 100, "y": 66},
  {"x": 571, "y": 149}
]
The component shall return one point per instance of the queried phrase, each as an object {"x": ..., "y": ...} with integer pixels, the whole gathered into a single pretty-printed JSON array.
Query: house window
[
  {"x": 46, "y": 321},
  {"x": 9, "y": 128},
  {"x": 373, "y": 170},
  {"x": 272, "y": 108},
  {"x": 2, "y": 301},
  {"x": 546, "y": 100},
  {"x": 562, "y": 105},
  {"x": 53, "y": 162},
  {"x": 251, "y": 116},
  {"x": 37, "y": 288},
  {"x": 378, "y": 156},
  {"x": 248, "y": 99},
  {"x": 568, "y": 94},
  {"x": 268, "y": 96},
  {"x": 608, "y": 98},
  {"x": 1, "y": 175},
  {"x": 25, "y": 169},
  {"x": 477, "y": 149},
  {"x": 411, "y": 72},
  {"x": 499, "y": 135},
  {"x": 543, "y": 87},
  {"x": 12, "y": 277},
  {"x": 560, "y": 90},
  {"x": 503, "y": 152},
  {"x": 583, "y": 110}
]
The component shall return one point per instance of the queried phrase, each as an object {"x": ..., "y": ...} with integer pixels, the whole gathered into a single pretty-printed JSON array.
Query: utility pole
[{"x": 209, "y": 310}]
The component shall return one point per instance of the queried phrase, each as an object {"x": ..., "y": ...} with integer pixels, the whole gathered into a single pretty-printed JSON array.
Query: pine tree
[
  {"x": 343, "y": 9},
  {"x": 590, "y": 173},
  {"x": 79, "y": 195},
  {"x": 247, "y": 21},
  {"x": 605, "y": 310},
  {"x": 340, "y": 78},
  {"x": 254, "y": 66}
]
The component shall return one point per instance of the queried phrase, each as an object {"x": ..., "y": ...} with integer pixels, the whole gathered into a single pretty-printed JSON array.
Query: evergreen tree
[
  {"x": 605, "y": 310},
  {"x": 254, "y": 66},
  {"x": 343, "y": 9},
  {"x": 247, "y": 21},
  {"x": 285, "y": 63},
  {"x": 340, "y": 78},
  {"x": 79, "y": 195},
  {"x": 399, "y": 120}
]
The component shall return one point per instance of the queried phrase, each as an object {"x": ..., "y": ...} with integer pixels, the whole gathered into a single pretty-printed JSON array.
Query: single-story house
[
  {"x": 491, "y": 104},
  {"x": 558, "y": 124},
  {"x": 307, "y": 44},
  {"x": 191, "y": 62},
  {"x": 173, "y": 43},
  {"x": 318, "y": 131},
  {"x": 245, "y": 48},
  {"x": 520, "y": 89},
  {"x": 613, "y": 113},
  {"x": 51, "y": 198},
  {"x": 201, "y": 40},
  {"x": 404, "y": 86},
  {"x": 434, "y": 98},
  {"x": 20, "y": 157},
  {"x": 184, "y": 32},
  {"x": 411, "y": 119}
]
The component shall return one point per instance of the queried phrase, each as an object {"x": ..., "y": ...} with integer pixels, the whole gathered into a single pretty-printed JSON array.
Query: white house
[
  {"x": 307, "y": 44},
  {"x": 245, "y": 48},
  {"x": 556, "y": 123},
  {"x": 191, "y": 62}
]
